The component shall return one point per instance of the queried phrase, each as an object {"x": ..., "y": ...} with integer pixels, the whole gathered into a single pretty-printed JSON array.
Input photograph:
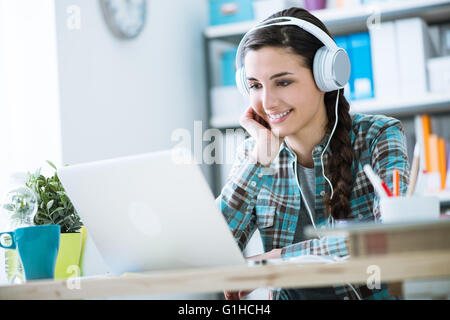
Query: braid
[{"x": 339, "y": 165}]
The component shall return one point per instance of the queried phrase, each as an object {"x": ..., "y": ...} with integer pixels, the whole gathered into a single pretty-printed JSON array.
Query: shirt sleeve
[
  {"x": 388, "y": 151},
  {"x": 325, "y": 246},
  {"x": 237, "y": 199}
]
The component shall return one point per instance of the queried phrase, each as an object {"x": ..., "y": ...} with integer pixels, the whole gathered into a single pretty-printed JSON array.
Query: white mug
[{"x": 409, "y": 208}]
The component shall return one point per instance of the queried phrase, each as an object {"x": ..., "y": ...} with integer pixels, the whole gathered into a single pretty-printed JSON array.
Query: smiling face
[{"x": 283, "y": 91}]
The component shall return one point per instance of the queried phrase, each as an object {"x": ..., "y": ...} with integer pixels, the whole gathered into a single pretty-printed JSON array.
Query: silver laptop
[{"x": 151, "y": 211}]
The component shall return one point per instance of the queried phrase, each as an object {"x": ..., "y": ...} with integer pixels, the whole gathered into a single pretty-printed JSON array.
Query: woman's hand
[
  {"x": 267, "y": 141},
  {"x": 241, "y": 294}
]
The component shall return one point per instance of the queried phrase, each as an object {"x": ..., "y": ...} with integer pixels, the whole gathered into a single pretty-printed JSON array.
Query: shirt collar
[{"x": 317, "y": 150}]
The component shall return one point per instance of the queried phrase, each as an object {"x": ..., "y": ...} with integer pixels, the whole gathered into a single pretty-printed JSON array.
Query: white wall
[
  {"x": 121, "y": 97},
  {"x": 29, "y": 104}
]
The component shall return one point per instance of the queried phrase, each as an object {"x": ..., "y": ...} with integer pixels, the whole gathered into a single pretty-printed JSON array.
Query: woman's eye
[
  {"x": 284, "y": 83},
  {"x": 254, "y": 86}
]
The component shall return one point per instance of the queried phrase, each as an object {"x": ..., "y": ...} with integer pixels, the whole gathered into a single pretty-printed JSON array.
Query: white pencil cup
[{"x": 409, "y": 208}]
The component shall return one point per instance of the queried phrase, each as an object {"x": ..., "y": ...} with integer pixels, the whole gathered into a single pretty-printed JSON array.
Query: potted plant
[{"x": 55, "y": 207}]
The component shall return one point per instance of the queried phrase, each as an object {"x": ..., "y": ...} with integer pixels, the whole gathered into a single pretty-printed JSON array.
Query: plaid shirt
[{"x": 268, "y": 198}]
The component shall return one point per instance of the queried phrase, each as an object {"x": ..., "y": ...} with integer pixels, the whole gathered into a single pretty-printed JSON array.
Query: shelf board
[
  {"x": 404, "y": 106},
  {"x": 355, "y": 18}
]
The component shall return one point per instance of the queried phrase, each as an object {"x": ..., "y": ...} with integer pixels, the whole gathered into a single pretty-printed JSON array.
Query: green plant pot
[{"x": 68, "y": 260}]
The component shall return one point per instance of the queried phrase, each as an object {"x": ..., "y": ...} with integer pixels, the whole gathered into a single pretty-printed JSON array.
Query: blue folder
[{"x": 361, "y": 84}]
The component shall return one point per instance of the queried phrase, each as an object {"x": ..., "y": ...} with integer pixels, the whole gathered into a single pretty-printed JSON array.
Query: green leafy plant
[{"x": 54, "y": 206}]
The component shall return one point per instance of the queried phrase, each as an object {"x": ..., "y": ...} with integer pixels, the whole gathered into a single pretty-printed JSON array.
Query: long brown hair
[{"x": 305, "y": 44}]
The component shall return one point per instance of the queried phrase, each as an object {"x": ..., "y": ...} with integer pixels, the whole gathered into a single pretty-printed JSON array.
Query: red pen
[{"x": 386, "y": 188}]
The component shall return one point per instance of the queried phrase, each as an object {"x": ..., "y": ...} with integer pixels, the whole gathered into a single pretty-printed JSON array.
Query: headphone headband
[
  {"x": 331, "y": 65},
  {"x": 303, "y": 24}
]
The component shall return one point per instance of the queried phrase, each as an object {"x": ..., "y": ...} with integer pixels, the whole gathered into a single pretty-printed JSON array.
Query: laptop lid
[{"x": 150, "y": 212}]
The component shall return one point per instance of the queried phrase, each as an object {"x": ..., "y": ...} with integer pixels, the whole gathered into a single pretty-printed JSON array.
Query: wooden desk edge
[{"x": 398, "y": 267}]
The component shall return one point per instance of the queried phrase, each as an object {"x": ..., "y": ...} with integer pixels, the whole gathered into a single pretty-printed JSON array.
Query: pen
[
  {"x": 396, "y": 182},
  {"x": 375, "y": 180},
  {"x": 386, "y": 188}
]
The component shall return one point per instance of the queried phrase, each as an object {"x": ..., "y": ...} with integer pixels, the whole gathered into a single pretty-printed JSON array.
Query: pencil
[
  {"x": 396, "y": 182},
  {"x": 414, "y": 170}
]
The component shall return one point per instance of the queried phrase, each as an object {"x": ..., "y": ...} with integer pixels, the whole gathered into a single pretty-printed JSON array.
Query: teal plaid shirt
[{"x": 268, "y": 198}]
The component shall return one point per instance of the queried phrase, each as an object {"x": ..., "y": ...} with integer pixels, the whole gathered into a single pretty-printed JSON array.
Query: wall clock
[{"x": 125, "y": 18}]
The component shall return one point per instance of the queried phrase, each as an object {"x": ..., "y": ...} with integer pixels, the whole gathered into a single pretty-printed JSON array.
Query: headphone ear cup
[
  {"x": 241, "y": 81},
  {"x": 331, "y": 69},
  {"x": 319, "y": 66}
]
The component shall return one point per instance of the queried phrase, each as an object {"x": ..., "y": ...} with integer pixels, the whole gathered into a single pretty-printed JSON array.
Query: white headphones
[{"x": 331, "y": 66}]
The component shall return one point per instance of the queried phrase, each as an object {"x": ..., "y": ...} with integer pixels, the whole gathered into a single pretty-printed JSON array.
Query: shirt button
[
  {"x": 318, "y": 149},
  {"x": 322, "y": 193},
  {"x": 253, "y": 184},
  {"x": 360, "y": 216},
  {"x": 260, "y": 175}
]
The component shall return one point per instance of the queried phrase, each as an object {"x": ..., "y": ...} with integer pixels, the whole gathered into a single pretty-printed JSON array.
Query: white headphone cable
[{"x": 323, "y": 152}]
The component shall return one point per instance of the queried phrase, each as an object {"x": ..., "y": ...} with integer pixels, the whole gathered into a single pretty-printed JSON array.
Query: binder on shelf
[
  {"x": 426, "y": 131},
  {"x": 226, "y": 11},
  {"x": 361, "y": 85},
  {"x": 384, "y": 60},
  {"x": 442, "y": 163},
  {"x": 414, "y": 48},
  {"x": 433, "y": 146},
  {"x": 228, "y": 67},
  {"x": 447, "y": 180},
  {"x": 444, "y": 31},
  {"x": 419, "y": 138},
  {"x": 439, "y": 74}
]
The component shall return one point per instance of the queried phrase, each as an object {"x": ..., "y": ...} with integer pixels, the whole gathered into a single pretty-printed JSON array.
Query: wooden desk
[{"x": 414, "y": 265}]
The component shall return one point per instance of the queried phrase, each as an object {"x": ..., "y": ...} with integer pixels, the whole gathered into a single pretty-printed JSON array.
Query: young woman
[{"x": 303, "y": 163}]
